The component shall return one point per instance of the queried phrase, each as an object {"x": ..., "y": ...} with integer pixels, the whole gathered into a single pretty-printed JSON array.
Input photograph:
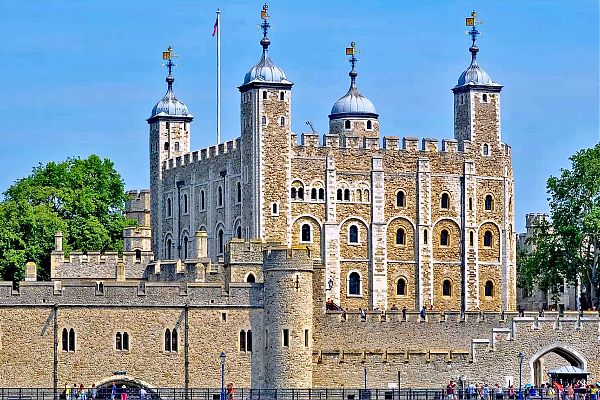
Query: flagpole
[{"x": 218, "y": 76}]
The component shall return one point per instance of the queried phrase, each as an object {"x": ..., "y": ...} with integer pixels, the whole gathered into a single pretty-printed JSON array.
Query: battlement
[
  {"x": 241, "y": 252},
  {"x": 392, "y": 143},
  {"x": 94, "y": 265},
  {"x": 280, "y": 256},
  {"x": 203, "y": 154},
  {"x": 146, "y": 294},
  {"x": 532, "y": 219}
]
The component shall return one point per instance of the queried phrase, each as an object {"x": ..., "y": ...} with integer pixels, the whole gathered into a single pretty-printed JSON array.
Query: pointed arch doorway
[{"x": 538, "y": 368}]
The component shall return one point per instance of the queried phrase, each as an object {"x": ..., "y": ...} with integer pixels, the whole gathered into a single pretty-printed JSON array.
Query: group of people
[
  {"x": 578, "y": 390},
  {"x": 478, "y": 391},
  {"x": 82, "y": 393}
]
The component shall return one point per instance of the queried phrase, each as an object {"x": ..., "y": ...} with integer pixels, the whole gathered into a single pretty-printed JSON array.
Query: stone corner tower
[
  {"x": 169, "y": 138},
  {"x": 266, "y": 101}
]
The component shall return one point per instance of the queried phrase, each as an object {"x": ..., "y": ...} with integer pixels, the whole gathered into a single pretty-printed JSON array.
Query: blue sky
[{"x": 81, "y": 77}]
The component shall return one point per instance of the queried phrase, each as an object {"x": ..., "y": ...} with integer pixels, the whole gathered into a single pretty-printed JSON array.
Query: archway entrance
[
  {"x": 123, "y": 383},
  {"x": 553, "y": 356}
]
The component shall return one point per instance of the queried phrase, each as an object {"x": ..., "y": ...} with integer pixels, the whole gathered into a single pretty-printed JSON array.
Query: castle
[{"x": 240, "y": 246}]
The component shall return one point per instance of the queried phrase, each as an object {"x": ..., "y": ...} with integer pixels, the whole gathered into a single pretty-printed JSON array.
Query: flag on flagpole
[
  {"x": 349, "y": 51},
  {"x": 215, "y": 27},
  {"x": 470, "y": 21}
]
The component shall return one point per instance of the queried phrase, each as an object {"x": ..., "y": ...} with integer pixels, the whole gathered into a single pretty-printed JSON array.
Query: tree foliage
[
  {"x": 83, "y": 198},
  {"x": 567, "y": 247}
]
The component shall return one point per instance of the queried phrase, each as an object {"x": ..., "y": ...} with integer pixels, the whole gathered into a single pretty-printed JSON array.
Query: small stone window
[
  {"x": 293, "y": 193},
  {"x": 424, "y": 236},
  {"x": 251, "y": 278},
  {"x": 305, "y": 233},
  {"x": 347, "y": 194},
  {"x": 122, "y": 341},
  {"x": 489, "y": 289},
  {"x": 447, "y": 288},
  {"x": 444, "y": 239},
  {"x": 282, "y": 121},
  {"x": 445, "y": 201},
  {"x": 369, "y": 124},
  {"x": 306, "y": 337},
  {"x": 401, "y": 287},
  {"x": 176, "y": 146},
  {"x": 353, "y": 234},
  {"x": 185, "y": 247},
  {"x": 138, "y": 255},
  {"x": 68, "y": 340},
  {"x": 281, "y": 96},
  {"x": 400, "y": 199},
  {"x": 485, "y": 150},
  {"x": 246, "y": 341},
  {"x": 489, "y": 202},
  {"x": 470, "y": 204},
  {"x": 169, "y": 208},
  {"x": 219, "y": 196},
  {"x": 264, "y": 120},
  {"x": 239, "y": 192},
  {"x": 484, "y": 98},
  {"x": 471, "y": 239},
  {"x": 202, "y": 200},
  {"x": 313, "y": 194},
  {"x": 462, "y": 99},
  {"x": 340, "y": 194},
  {"x": 487, "y": 239},
  {"x": 321, "y": 194},
  {"x": 168, "y": 247},
  {"x": 221, "y": 242},
  {"x": 354, "y": 284},
  {"x": 238, "y": 232},
  {"x": 347, "y": 124},
  {"x": 185, "y": 203},
  {"x": 274, "y": 209},
  {"x": 264, "y": 94},
  {"x": 400, "y": 236},
  {"x": 166, "y": 146},
  {"x": 285, "y": 338},
  {"x": 171, "y": 341}
]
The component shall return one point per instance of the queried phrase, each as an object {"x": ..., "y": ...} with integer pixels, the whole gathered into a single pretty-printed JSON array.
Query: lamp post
[
  {"x": 222, "y": 356},
  {"x": 520, "y": 356}
]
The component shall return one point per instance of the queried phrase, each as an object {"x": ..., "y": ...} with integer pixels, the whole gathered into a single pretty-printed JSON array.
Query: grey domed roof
[
  {"x": 353, "y": 103},
  {"x": 169, "y": 105},
  {"x": 265, "y": 71},
  {"x": 474, "y": 74}
]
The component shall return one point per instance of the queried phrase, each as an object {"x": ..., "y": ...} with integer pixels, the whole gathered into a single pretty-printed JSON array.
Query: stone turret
[{"x": 288, "y": 317}]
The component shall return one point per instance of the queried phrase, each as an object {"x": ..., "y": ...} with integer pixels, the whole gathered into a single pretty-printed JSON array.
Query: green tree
[
  {"x": 568, "y": 247},
  {"x": 83, "y": 198}
]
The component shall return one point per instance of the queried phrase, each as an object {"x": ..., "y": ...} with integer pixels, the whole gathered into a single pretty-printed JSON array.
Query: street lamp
[
  {"x": 222, "y": 356},
  {"x": 520, "y": 356}
]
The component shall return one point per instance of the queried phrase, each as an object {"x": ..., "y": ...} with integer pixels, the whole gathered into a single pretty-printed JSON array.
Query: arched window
[
  {"x": 346, "y": 124},
  {"x": 246, "y": 341},
  {"x": 366, "y": 195},
  {"x": 354, "y": 284},
  {"x": 400, "y": 236},
  {"x": 400, "y": 199},
  {"x": 185, "y": 203},
  {"x": 169, "y": 208},
  {"x": 353, "y": 234},
  {"x": 119, "y": 341},
  {"x": 445, "y": 201},
  {"x": 185, "y": 248},
  {"x": 301, "y": 193},
  {"x": 305, "y": 233},
  {"x": 166, "y": 147},
  {"x": 359, "y": 195},
  {"x": 424, "y": 236},
  {"x": 264, "y": 94},
  {"x": 313, "y": 194},
  {"x": 447, "y": 288},
  {"x": 202, "y": 204},
  {"x": 168, "y": 246},
  {"x": 340, "y": 194},
  {"x": 369, "y": 125},
  {"x": 174, "y": 344},
  {"x": 167, "y": 340},
  {"x": 238, "y": 232},
  {"x": 471, "y": 239},
  {"x": 65, "y": 340},
  {"x": 220, "y": 243},
  {"x": 489, "y": 289},
  {"x": 489, "y": 202},
  {"x": 282, "y": 121},
  {"x": 444, "y": 240},
  {"x": 274, "y": 209},
  {"x": 251, "y": 278},
  {"x": 239, "y": 192},
  {"x": 293, "y": 193},
  {"x": 486, "y": 150},
  {"x": 281, "y": 95},
  {"x": 401, "y": 287},
  {"x": 264, "y": 120},
  {"x": 321, "y": 194},
  {"x": 487, "y": 239},
  {"x": 347, "y": 194}
]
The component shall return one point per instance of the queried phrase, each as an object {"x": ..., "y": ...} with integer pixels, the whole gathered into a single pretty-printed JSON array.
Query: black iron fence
[{"x": 134, "y": 393}]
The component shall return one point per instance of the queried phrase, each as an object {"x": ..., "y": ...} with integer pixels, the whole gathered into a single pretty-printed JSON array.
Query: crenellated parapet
[{"x": 198, "y": 156}]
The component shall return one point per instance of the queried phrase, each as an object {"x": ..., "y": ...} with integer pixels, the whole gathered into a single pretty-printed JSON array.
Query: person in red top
[
  {"x": 451, "y": 390},
  {"x": 230, "y": 391},
  {"x": 124, "y": 394}
]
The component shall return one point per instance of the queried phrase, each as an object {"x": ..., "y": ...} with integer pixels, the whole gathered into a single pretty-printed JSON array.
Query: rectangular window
[
  {"x": 224, "y": 317},
  {"x": 125, "y": 341},
  {"x": 286, "y": 338},
  {"x": 249, "y": 341},
  {"x": 266, "y": 338},
  {"x": 306, "y": 338}
]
